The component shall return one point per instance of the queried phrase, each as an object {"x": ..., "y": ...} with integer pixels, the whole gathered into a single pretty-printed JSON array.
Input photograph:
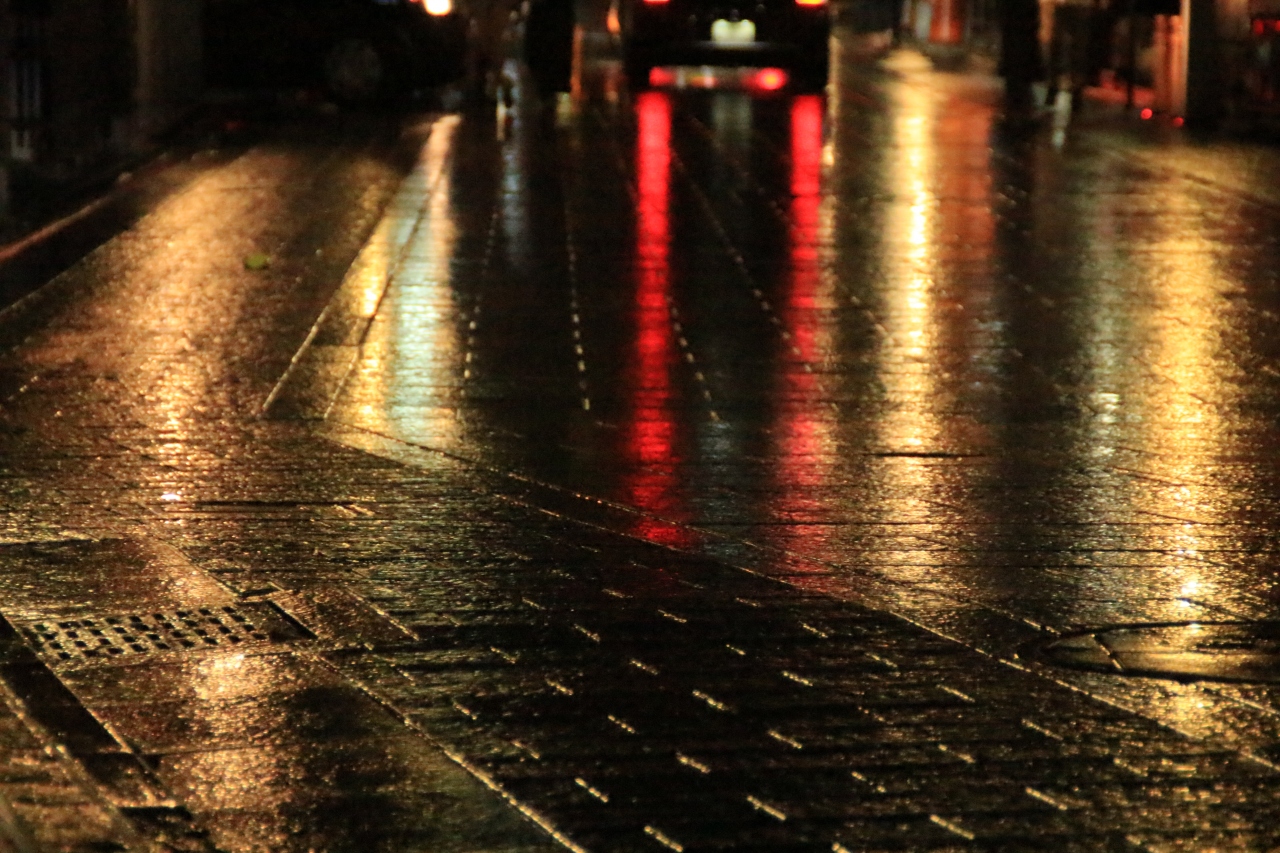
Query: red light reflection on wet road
[
  {"x": 803, "y": 435},
  {"x": 806, "y": 201},
  {"x": 651, "y": 433}
]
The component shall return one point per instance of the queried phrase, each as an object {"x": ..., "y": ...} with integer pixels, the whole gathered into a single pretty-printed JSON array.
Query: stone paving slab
[
  {"x": 488, "y": 658},
  {"x": 223, "y": 745},
  {"x": 513, "y": 677}
]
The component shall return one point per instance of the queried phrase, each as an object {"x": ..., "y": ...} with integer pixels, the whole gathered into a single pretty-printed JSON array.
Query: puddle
[{"x": 1187, "y": 651}]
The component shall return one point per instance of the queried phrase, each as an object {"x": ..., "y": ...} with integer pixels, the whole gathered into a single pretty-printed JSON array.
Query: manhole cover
[
  {"x": 1191, "y": 651},
  {"x": 95, "y": 639}
]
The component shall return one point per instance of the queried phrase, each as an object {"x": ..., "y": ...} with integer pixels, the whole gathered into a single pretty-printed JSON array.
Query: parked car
[
  {"x": 793, "y": 34},
  {"x": 359, "y": 50}
]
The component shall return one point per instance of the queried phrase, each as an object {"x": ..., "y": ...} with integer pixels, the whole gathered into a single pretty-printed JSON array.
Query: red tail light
[
  {"x": 768, "y": 79},
  {"x": 660, "y": 77},
  {"x": 656, "y": 2},
  {"x": 811, "y": 2}
]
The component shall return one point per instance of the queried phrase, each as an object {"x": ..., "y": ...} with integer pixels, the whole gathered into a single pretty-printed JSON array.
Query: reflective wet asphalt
[{"x": 703, "y": 468}]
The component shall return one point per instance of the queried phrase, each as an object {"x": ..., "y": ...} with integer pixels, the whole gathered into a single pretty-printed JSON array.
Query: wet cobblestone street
[{"x": 693, "y": 469}]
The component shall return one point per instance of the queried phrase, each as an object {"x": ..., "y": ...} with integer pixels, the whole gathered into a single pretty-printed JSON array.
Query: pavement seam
[
  {"x": 72, "y": 770},
  {"x": 480, "y": 774},
  {"x": 401, "y": 252}
]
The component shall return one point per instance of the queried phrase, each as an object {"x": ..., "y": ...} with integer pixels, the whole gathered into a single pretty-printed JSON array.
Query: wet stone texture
[
  {"x": 694, "y": 469},
  {"x": 1216, "y": 651}
]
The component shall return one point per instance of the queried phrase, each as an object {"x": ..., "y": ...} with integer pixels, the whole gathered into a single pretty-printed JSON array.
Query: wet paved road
[{"x": 698, "y": 471}]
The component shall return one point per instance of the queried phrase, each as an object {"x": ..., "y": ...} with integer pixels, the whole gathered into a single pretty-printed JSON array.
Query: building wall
[
  {"x": 1198, "y": 56},
  {"x": 85, "y": 81},
  {"x": 85, "y": 54},
  {"x": 169, "y": 61}
]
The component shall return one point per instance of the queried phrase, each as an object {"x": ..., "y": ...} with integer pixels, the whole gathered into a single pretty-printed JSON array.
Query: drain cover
[
  {"x": 94, "y": 639},
  {"x": 1190, "y": 651}
]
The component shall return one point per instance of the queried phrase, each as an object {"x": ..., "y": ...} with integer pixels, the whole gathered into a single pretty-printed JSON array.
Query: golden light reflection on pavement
[
  {"x": 1165, "y": 386},
  {"x": 868, "y": 332},
  {"x": 805, "y": 430},
  {"x": 652, "y": 440},
  {"x": 410, "y": 366},
  {"x": 910, "y": 312},
  {"x": 734, "y": 466}
]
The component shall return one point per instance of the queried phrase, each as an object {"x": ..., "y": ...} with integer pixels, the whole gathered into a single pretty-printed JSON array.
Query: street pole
[
  {"x": 1132, "y": 58},
  {"x": 1201, "y": 34},
  {"x": 1020, "y": 61}
]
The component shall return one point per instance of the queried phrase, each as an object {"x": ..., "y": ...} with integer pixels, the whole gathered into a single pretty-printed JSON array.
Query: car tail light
[
  {"x": 811, "y": 2},
  {"x": 656, "y": 2},
  {"x": 438, "y": 7},
  {"x": 768, "y": 79},
  {"x": 659, "y": 77}
]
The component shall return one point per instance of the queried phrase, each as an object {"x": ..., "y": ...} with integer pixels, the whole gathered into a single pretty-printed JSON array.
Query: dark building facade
[
  {"x": 85, "y": 81},
  {"x": 1195, "y": 58}
]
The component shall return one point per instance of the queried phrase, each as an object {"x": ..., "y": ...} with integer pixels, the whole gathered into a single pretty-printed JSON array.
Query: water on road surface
[{"x": 706, "y": 467}]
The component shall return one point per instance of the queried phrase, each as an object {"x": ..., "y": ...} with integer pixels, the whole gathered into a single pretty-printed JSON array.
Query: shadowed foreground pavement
[{"x": 703, "y": 469}]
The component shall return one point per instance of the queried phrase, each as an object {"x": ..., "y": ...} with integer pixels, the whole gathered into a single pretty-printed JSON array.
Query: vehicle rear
[{"x": 792, "y": 34}]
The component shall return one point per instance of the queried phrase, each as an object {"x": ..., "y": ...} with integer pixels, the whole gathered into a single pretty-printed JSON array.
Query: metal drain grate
[{"x": 98, "y": 638}]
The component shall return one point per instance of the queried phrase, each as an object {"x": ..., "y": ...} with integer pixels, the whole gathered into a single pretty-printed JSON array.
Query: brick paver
[{"x": 499, "y": 603}]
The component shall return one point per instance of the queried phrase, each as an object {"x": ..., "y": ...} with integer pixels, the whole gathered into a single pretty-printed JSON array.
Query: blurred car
[
  {"x": 359, "y": 50},
  {"x": 793, "y": 34}
]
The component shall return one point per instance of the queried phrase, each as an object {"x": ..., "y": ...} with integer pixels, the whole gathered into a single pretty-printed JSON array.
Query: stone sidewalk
[{"x": 229, "y": 631}]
